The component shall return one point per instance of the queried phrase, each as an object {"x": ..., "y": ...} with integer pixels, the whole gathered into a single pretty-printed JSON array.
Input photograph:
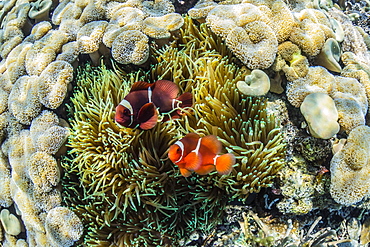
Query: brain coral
[
  {"x": 125, "y": 173},
  {"x": 349, "y": 168}
]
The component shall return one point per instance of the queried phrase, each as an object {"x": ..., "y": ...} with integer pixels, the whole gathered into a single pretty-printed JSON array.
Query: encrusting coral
[{"x": 125, "y": 173}]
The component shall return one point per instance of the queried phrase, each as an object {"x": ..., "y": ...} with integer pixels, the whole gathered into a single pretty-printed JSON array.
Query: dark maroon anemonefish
[
  {"x": 193, "y": 153},
  {"x": 141, "y": 107}
]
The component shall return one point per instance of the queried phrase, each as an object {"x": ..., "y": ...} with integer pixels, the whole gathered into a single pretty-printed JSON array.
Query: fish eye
[{"x": 126, "y": 111}]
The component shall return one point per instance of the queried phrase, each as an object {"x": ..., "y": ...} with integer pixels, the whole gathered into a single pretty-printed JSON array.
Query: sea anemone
[{"x": 120, "y": 181}]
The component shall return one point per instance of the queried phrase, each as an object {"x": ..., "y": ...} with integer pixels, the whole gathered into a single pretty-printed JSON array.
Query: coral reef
[
  {"x": 127, "y": 169},
  {"x": 120, "y": 183}
]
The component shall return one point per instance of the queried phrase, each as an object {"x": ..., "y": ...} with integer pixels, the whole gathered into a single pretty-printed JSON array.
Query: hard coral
[
  {"x": 23, "y": 102},
  {"x": 255, "y": 84},
  {"x": 63, "y": 227},
  {"x": 44, "y": 51},
  {"x": 5, "y": 198},
  {"x": 242, "y": 26},
  {"x": 130, "y": 47},
  {"x": 321, "y": 115},
  {"x": 349, "y": 95},
  {"x": 43, "y": 171},
  {"x": 53, "y": 82},
  {"x": 160, "y": 27},
  {"x": 349, "y": 168},
  {"x": 279, "y": 17},
  {"x": 291, "y": 61}
]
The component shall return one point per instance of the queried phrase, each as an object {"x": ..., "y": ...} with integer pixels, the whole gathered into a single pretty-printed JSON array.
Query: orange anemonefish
[
  {"x": 201, "y": 155},
  {"x": 141, "y": 106}
]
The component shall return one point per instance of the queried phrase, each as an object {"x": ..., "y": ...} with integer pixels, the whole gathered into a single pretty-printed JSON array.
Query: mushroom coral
[{"x": 115, "y": 176}]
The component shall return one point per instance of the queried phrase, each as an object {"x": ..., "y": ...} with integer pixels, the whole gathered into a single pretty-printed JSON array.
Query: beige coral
[
  {"x": 44, "y": 51},
  {"x": 43, "y": 171},
  {"x": 93, "y": 11},
  {"x": 329, "y": 56},
  {"x": 70, "y": 52},
  {"x": 317, "y": 80},
  {"x": 15, "y": 62},
  {"x": 130, "y": 47},
  {"x": 224, "y": 18},
  {"x": 255, "y": 44},
  {"x": 246, "y": 33},
  {"x": 161, "y": 26},
  {"x": 10, "y": 222},
  {"x": 53, "y": 83},
  {"x": 40, "y": 10},
  {"x": 279, "y": 17},
  {"x": 255, "y": 84},
  {"x": 155, "y": 8},
  {"x": 290, "y": 60},
  {"x": 66, "y": 10},
  {"x": 13, "y": 24},
  {"x": 129, "y": 17},
  {"x": 201, "y": 9},
  {"x": 47, "y": 134},
  {"x": 24, "y": 102},
  {"x": 90, "y": 36},
  {"x": 349, "y": 95},
  {"x": 38, "y": 31},
  {"x": 309, "y": 37},
  {"x": 349, "y": 168},
  {"x": 63, "y": 227},
  {"x": 321, "y": 115},
  {"x": 5, "y": 197}
]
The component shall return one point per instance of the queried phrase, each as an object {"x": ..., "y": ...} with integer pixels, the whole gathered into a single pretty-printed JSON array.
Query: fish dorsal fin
[
  {"x": 212, "y": 144},
  {"x": 193, "y": 161},
  {"x": 147, "y": 116},
  {"x": 169, "y": 88},
  {"x": 140, "y": 85}
]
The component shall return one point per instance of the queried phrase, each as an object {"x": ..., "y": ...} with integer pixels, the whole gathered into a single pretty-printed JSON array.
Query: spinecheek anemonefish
[
  {"x": 198, "y": 154},
  {"x": 141, "y": 107}
]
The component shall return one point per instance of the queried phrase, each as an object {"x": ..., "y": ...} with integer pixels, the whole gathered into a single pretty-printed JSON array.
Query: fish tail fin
[
  {"x": 186, "y": 100},
  {"x": 224, "y": 163}
]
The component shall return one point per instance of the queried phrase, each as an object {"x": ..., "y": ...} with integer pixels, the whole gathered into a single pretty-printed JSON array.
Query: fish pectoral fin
[
  {"x": 205, "y": 169},
  {"x": 193, "y": 161},
  {"x": 185, "y": 172},
  {"x": 224, "y": 163},
  {"x": 212, "y": 144},
  {"x": 147, "y": 116}
]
